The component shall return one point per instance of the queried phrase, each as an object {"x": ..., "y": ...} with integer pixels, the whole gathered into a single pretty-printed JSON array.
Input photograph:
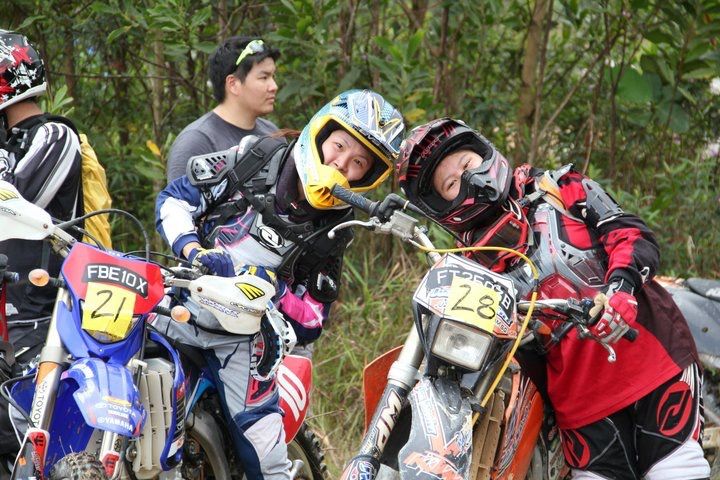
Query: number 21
[{"x": 98, "y": 313}]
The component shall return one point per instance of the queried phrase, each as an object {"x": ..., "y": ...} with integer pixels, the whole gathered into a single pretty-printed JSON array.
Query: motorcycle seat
[
  {"x": 705, "y": 287},
  {"x": 703, "y": 318}
]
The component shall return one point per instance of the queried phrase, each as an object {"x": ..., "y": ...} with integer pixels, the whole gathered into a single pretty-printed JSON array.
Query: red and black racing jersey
[{"x": 583, "y": 386}]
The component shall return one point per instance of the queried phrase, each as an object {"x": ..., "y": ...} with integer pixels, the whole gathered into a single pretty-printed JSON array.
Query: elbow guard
[{"x": 600, "y": 207}]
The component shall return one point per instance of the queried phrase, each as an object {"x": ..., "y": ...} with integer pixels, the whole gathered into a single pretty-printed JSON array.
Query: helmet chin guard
[{"x": 319, "y": 184}]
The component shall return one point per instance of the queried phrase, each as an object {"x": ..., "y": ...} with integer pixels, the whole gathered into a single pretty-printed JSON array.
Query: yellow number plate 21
[{"x": 108, "y": 309}]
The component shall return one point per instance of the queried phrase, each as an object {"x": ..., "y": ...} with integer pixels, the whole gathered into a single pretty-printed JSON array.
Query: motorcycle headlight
[{"x": 461, "y": 345}]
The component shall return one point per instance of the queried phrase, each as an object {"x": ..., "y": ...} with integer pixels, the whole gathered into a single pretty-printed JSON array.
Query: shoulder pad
[
  {"x": 600, "y": 206},
  {"x": 556, "y": 174},
  {"x": 254, "y": 158},
  {"x": 211, "y": 168}
]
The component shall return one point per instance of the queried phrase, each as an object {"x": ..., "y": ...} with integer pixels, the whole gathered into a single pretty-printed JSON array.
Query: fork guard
[
  {"x": 440, "y": 442},
  {"x": 107, "y": 396}
]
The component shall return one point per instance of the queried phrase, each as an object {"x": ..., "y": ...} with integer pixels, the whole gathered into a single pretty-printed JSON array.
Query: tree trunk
[
  {"x": 222, "y": 13},
  {"x": 528, "y": 77},
  {"x": 347, "y": 36},
  {"x": 418, "y": 8},
  {"x": 441, "y": 56},
  {"x": 156, "y": 87},
  {"x": 372, "y": 47},
  {"x": 540, "y": 81},
  {"x": 69, "y": 63}
]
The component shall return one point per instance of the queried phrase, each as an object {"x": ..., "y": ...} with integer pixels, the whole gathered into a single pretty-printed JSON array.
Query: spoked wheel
[
  {"x": 197, "y": 464},
  {"x": 78, "y": 466},
  {"x": 306, "y": 447}
]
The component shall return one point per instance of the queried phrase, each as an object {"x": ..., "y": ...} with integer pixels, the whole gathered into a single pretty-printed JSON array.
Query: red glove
[{"x": 619, "y": 314}]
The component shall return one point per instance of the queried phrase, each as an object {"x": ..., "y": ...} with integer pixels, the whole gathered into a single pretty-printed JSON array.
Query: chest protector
[
  {"x": 565, "y": 270},
  {"x": 247, "y": 207}
]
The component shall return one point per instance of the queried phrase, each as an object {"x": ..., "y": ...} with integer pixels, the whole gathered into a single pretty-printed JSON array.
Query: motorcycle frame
[
  {"x": 55, "y": 360},
  {"x": 401, "y": 378}
]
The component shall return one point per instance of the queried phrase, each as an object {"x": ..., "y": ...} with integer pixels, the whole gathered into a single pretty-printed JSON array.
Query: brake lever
[
  {"x": 392, "y": 203},
  {"x": 584, "y": 332},
  {"x": 371, "y": 224}
]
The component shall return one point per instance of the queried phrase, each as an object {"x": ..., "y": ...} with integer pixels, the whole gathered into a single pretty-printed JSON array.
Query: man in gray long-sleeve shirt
[{"x": 242, "y": 73}]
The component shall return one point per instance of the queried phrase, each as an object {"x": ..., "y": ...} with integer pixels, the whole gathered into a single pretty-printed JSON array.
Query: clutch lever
[{"x": 371, "y": 224}]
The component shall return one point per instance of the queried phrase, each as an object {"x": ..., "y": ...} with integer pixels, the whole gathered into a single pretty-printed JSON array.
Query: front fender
[
  {"x": 107, "y": 396},
  {"x": 440, "y": 442}
]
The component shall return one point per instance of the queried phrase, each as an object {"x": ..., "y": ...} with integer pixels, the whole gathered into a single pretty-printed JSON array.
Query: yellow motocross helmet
[{"x": 372, "y": 121}]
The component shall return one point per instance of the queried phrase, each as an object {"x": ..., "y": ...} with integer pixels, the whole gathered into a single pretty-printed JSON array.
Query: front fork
[
  {"x": 401, "y": 379},
  {"x": 110, "y": 454},
  {"x": 31, "y": 459}
]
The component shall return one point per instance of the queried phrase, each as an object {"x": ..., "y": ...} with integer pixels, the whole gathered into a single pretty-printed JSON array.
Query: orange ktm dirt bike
[{"x": 455, "y": 405}]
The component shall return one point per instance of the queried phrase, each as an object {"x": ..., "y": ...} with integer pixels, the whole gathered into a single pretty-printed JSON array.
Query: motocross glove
[
  {"x": 267, "y": 274},
  {"x": 215, "y": 260},
  {"x": 619, "y": 311}
]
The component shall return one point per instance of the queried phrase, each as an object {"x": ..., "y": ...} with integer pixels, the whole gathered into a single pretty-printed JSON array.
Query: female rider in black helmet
[{"x": 639, "y": 417}]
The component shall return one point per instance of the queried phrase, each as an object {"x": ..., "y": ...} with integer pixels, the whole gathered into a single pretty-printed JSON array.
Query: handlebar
[
  {"x": 9, "y": 277},
  {"x": 578, "y": 312},
  {"x": 578, "y": 316},
  {"x": 383, "y": 210}
]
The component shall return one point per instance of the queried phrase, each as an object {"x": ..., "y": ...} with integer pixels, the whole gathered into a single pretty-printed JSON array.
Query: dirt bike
[
  {"x": 455, "y": 405},
  {"x": 109, "y": 397},
  {"x": 699, "y": 301}
]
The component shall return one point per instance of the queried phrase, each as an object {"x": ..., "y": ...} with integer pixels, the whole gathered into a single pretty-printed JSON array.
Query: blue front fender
[{"x": 107, "y": 396}]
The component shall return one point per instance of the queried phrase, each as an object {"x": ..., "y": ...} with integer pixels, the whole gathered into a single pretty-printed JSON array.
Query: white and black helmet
[{"x": 22, "y": 72}]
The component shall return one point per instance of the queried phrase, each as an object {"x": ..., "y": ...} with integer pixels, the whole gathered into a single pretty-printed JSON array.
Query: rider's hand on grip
[
  {"x": 619, "y": 311},
  {"x": 215, "y": 260},
  {"x": 267, "y": 274}
]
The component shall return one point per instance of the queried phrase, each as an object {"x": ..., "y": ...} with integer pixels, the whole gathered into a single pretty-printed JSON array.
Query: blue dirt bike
[{"x": 109, "y": 396}]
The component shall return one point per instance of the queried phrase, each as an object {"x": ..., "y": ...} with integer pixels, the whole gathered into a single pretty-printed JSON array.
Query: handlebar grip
[
  {"x": 353, "y": 199},
  {"x": 11, "y": 277},
  {"x": 631, "y": 334},
  {"x": 164, "y": 311}
]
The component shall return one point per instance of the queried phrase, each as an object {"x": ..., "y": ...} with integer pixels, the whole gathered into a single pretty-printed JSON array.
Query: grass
[{"x": 372, "y": 316}]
